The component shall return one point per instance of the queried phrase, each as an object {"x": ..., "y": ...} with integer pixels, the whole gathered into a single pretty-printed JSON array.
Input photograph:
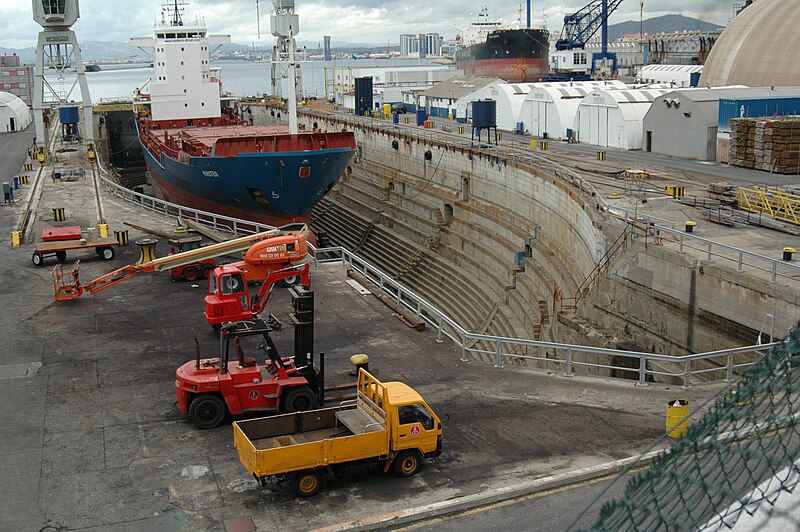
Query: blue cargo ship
[{"x": 202, "y": 157}]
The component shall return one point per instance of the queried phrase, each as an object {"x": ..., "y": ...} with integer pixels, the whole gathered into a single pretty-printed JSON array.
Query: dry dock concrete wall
[{"x": 523, "y": 235}]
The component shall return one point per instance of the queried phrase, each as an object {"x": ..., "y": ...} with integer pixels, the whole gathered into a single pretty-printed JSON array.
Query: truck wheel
[
  {"x": 191, "y": 274},
  {"x": 61, "y": 256},
  {"x": 107, "y": 253},
  {"x": 37, "y": 258},
  {"x": 298, "y": 399},
  {"x": 205, "y": 271},
  {"x": 307, "y": 483},
  {"x": 406, "y": 463},
  {"x": 207, "y": 411}
]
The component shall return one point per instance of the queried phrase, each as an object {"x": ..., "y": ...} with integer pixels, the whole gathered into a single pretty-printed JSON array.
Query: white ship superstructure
[{"x": 184, "y": 85}]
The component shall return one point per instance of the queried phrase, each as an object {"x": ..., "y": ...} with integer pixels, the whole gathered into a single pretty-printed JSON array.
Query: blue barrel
[
  {"x": 396, "y": 118},
  {"x": 422, "y": 116},
  {"x": 16, "y": 182}
]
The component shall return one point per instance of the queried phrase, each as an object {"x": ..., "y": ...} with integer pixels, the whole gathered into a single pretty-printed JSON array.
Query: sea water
[{"x": 239, "y": 78}]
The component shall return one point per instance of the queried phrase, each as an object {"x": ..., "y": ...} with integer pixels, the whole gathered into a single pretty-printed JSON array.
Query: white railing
[{"x": 642, "y": 367}]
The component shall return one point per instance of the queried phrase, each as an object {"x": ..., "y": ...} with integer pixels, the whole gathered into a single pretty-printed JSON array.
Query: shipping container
[{"x": 756, "y": 107}]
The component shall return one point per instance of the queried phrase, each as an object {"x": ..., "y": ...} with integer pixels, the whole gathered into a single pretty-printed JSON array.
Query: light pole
[{"x": 641, "y": 31}]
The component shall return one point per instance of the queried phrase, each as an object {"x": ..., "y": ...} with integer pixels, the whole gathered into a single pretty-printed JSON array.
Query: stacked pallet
[{"x": 769, "y": 144}]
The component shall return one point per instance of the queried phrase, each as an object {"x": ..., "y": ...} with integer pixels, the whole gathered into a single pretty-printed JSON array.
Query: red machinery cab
[{"x": 274, "y": 253}]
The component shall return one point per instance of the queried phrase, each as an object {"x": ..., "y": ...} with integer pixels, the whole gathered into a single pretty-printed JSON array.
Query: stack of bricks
[{"x": 769, "y": 144}]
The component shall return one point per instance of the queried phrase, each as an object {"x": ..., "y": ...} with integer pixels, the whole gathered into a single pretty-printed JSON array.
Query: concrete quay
[{"x": 92, "y": 440}]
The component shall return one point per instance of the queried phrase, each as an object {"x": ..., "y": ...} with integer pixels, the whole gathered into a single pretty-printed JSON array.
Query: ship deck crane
[{"x": 580, "y": 26}]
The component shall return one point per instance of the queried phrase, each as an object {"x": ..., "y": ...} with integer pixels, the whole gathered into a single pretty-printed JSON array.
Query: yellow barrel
[
  {"x": 545, "y": 145},
  {"x": 23, "y": 179},
  {"x": 59, "y": 215},
  {"x": 28, "y": 167},
  {"x": 103, "y": 230},
  {"x": 16, "y": 238},
  {"x": 121, "y": 237},
  {"x": 677, "y": 418},
  {"x": 499, "y": 136},
  {"x": 533, "y": 143},
  {"x": 601, "y": 155},
  {"x": 460, "y": 130}
]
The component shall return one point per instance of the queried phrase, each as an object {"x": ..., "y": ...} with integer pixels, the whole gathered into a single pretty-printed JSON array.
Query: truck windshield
[{"x": 416, "y": 413}]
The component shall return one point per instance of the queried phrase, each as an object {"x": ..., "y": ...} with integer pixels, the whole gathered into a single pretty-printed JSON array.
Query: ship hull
[
  {"x": 512, "y": 55},
  {"x": 273, "y": 188}
]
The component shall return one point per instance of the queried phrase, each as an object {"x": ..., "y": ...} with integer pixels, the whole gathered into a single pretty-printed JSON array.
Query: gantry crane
[{"x": 580, "y": 26}]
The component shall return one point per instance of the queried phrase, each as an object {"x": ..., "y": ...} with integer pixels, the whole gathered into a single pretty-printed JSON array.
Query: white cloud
[{"x": 368, "y": 21}]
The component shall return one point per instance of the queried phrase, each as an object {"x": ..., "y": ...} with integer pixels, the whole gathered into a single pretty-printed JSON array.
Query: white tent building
[
  {"x": 684, "y": 123},
  {"x": 509, "y": 98},
  {"x": 14, "y": 114},
  {"x": 675, "y": 75},
  {"x": 549, "y": 108},
  {"x": 613, "y": 118}
]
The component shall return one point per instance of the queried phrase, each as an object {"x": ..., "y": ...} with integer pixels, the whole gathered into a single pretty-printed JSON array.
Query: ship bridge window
[
  {"x": 170, "y": 35},
  {"x": 54, "y": 7},
  {"x": 160, "y": 35}
]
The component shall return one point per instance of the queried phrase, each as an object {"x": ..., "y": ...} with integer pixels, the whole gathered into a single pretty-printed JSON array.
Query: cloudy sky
[{"x": 363, "y": 21}]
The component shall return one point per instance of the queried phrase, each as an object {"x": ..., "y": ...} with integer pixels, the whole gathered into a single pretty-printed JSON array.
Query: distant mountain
[{"x": 664, "y": 24}]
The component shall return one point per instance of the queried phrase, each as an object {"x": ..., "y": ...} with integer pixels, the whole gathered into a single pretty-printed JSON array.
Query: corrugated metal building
[
  {"x": 550, "y": 108},
  {"x": 683, "y": 123},
  {"x": 613, "y": 118},
  {"x": 452, "y": 96},
  {"x": 14, "y": 114},
  {"x": 16, "y": 79},
  {"x": 509, "y": 98},
  {"x": 678, "y": 76}
]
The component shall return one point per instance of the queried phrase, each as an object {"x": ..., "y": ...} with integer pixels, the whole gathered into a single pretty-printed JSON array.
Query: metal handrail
[{"x": 568, "y": 356}]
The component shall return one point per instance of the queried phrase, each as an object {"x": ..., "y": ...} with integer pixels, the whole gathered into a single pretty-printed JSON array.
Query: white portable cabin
[
  {"x": 550, "y": 107},
  {"x": 14, "y": 114},
  {"x": 677, "y": 76},
  {"x": 684, "y": 122},
  {"x": 509, "y": 98},
  {"x": 613, "y": 118}
]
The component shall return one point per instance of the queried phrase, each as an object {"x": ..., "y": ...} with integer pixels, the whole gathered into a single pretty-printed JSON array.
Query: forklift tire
[
  {"x": 37, "y": 258},
  {"x": 61, "y": 256},
  {"x": 191, "y": 274},
  {"x": 298, "y": 399},
  {"x": 207, "y": 411},
  {"x": 406, "y": 463},
  {"x": 107, "y": 253},
  {"x": 306, "y": 483}
]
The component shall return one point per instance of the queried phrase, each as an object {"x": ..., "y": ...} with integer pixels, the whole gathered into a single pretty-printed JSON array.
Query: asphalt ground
[{"x": 91, "y": 439}]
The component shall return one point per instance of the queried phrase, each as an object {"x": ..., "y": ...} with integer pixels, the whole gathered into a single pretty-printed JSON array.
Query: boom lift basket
[{"x": 67, "y": 286}]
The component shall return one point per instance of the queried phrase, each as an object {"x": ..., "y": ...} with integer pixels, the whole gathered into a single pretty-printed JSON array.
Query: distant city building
[
  {"x": 433, "y": 45},
  {"x": 423, "y": 49},
  {"x": 409, "y": 45},
  {"x": 16, "y": 79},
  {"x": 327, "y": 39}
]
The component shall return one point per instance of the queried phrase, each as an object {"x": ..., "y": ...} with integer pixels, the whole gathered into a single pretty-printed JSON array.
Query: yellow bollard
[
  {"x": 677, "y": 418},
  {"x": 499, "y": 136},
  {"x": 147, "y": 249},
  {"x": 601, "y": 156},
  {"x": 121, "y": 237},
  {"x": 545, "y": 145},
  {"x": 23, "y": 179},
  {"x": 103, "y": 230},
  {"x": 59, "y": 215},
  {"x": 690, "y": 225},
  {"x": 359, "y": 361},
  {"x": 16, "y": 238}
]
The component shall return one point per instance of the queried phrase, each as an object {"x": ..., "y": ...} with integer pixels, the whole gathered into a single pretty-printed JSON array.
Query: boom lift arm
[
  {"x": 73, "y": 289},
  {"x": 259, "y": 301}
]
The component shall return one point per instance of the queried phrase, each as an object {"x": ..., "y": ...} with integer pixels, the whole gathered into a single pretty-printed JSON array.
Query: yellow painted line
[{"x": 174, "y": 493}]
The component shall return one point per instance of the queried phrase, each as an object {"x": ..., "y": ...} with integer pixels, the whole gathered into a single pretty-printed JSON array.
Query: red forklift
[
  {"x": 210, "y": 388},
  {"x": 228, "y": 298},
  {"x": 193, "y": 271}
]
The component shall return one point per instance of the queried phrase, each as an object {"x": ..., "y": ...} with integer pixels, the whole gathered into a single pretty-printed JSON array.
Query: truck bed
[
  {"x": 307, "y": 440},
  {"x": 66, "y": 245}
]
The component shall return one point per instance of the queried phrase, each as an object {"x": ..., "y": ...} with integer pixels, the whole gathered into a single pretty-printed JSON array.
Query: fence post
[
  {"x": 499, "y": 355},
  {"x": 419, "y": 310},
  {"x": 741, "y": 260},
  {"x": 687, "y": 375},
  {"x": 709, "y": 252},
  {"x": 681, "y": 246},
  {"x": 774, "y": 271},
  {"x": 568, "y": 368},
  {"x": 464, "y": 347},
  {"x": 729, "y": 368},
  {"x": 642, "y": 371},
  {"x": 439, "y": 339}
]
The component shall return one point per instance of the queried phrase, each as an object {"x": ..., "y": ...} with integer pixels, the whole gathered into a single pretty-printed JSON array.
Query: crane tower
[
  {"x": 284, "y": 25},
  {"x": 57, "y": 48}
]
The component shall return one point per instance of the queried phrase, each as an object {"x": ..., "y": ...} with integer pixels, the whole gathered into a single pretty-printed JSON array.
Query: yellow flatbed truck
[{"x": 388, "y": 423}]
